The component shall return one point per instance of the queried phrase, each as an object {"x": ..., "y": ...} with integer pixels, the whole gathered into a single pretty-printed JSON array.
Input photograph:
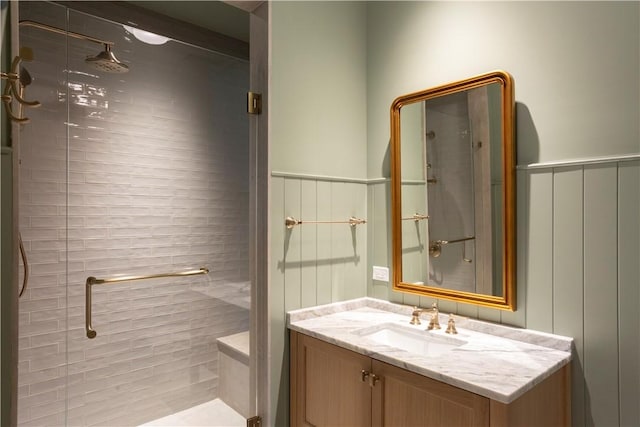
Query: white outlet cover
[{"x": 381, "y": 273}]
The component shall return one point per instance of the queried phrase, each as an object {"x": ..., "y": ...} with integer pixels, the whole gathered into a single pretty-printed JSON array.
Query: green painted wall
[
  {"x": 317, "y": 112},
  {"x": 571, "y": 62},
  {"x": 318, "y": 88}
]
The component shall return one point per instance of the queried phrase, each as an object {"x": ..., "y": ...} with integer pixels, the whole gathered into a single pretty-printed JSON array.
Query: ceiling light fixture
[{"x": 146, "y": 36}]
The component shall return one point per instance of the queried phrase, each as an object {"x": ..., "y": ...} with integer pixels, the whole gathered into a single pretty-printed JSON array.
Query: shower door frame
[
  {"x": 259, "y": 181},
  {"x": 9, "y": 356}
]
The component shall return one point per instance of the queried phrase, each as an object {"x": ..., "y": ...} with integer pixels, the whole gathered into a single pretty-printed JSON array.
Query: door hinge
[
  {"x": 254, "y": 421},
  {"x": 254, "y": 103}
]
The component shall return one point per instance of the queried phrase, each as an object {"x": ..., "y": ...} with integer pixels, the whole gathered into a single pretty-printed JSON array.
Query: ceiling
[{"x": 217, "y": 16}]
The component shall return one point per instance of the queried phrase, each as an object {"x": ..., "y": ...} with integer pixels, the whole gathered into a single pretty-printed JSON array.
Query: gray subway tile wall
[{"x": 140, "y": 173}]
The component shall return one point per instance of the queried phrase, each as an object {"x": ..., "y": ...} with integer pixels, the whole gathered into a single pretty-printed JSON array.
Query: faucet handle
[
  {"x": 415, "y": 316},
  {"x": 451, "y": 325},
  {"x": 434, "y": 323}
]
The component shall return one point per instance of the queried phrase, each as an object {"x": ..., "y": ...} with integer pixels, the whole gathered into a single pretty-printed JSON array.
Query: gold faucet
[{"x": 434, "y": 323}]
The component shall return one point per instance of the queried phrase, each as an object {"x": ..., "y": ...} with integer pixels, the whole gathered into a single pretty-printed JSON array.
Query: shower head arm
[{"x": 57, "y": 30}]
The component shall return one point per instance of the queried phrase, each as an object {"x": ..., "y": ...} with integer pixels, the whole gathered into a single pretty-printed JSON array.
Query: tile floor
[{"x": 214, "y": 413}]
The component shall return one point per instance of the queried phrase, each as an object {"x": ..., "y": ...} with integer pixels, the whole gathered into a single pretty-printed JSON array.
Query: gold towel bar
[
  {"x": 291, "y": 222},
  {"x": 93, "y": 281}
]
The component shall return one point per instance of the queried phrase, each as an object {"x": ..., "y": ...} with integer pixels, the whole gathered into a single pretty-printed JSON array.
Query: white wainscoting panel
[
  {"x": 539, "y": 254},
  {"x": 600, "y": 294},
  {"x": 568, "y": 277},
  {"x": 323, "y": 244},
  {"x": 308, "y": 244},
  {"x": 291, "y": 265},
  {"x": 629, "y": 291},
  {"x": 579, "y": 265}
]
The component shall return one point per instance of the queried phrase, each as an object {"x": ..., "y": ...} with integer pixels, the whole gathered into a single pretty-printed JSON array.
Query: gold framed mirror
[{"x": 453, "y": 198}]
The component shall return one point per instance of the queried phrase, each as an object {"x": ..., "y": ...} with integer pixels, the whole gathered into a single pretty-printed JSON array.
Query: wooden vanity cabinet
[
  {"x": 326, "y": 384},
  {"x": 328, "y": 389}
]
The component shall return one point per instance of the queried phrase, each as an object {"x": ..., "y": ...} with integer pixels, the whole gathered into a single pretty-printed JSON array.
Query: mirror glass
[{"x": 453, "y": 196}]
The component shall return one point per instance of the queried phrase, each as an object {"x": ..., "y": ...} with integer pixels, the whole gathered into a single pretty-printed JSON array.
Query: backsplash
[{"x": 147, "y": 173}]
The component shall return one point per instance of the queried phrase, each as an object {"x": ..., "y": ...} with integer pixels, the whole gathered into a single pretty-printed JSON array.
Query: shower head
[{"x": 106, "y": 61}]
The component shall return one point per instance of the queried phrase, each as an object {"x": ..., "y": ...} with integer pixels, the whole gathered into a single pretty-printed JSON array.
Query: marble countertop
[{"x": 495, "y": 361}]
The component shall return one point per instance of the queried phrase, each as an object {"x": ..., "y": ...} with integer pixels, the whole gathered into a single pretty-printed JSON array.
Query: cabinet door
[
  {"x": 403, "y": 398},
  {"x": 326, "y": 385}
]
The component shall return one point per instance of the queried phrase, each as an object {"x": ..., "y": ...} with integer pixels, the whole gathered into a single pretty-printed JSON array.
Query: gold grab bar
[
  {"x": 291, "y": 222},
  {"x": 448, "y": 242},
  {"x": 435, "y": 247},
  {"x": 416, "y": 217},
  {"x": 91, "y": 333}
]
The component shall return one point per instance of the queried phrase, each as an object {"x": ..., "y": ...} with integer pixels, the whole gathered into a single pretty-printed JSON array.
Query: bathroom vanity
[{"x": 361, "y": 363}]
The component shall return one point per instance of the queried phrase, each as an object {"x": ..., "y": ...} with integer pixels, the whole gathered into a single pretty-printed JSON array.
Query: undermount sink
[{"x": 414, "y": 341}]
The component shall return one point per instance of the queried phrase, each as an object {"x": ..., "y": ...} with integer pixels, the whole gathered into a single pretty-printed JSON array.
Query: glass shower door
[
  {"x": 42, "y": 194},
  {"x": 142, "y": 174}
]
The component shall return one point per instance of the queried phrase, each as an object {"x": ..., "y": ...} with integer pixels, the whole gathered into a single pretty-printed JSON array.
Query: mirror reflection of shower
[
  {"x": 461, "y": 190},
  {"x": 104, "y": 61},
  {"x": 450, "y": 179}
]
